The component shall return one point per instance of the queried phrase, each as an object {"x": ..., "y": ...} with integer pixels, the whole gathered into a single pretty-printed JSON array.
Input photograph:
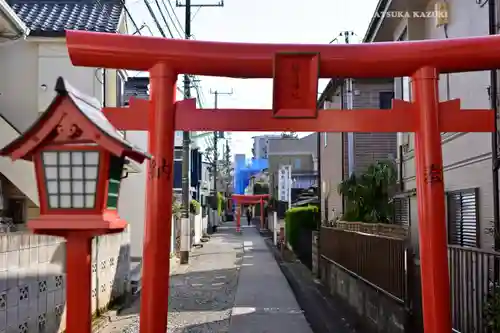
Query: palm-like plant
[{"x": 368, "y": 196}]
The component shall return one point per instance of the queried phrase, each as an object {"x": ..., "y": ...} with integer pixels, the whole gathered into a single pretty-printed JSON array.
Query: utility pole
[
  {"x": 349, "y": 85},
  {"x": 217, "y": 134},
  {"x": 186, "y": 142}
]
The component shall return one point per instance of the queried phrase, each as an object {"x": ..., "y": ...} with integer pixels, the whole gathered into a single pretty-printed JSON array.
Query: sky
[{"x": 258, "y": 21}]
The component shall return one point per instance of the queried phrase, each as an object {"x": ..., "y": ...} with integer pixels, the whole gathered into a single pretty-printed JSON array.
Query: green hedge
[
  {"x": 300, "y": 218},
  {"x": 195, "y": 207}
]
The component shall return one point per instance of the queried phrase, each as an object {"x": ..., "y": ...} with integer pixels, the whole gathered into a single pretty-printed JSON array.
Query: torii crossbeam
[{"x": 295, "y": 70}]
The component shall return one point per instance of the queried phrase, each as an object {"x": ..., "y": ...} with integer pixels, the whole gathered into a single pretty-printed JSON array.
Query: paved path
[
  {"x": 232, "y": 284},
  {"x": 264, "y": 300}
]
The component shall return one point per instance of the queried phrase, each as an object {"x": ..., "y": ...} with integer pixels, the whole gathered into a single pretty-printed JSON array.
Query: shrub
[
  {"x": 194, "y": 207},
  {"x": 260, "y": 188},
  {"x": 176, "y": 209},
  {"x": 298, "y": 219},
  {"x": 491, "y": 310},
  {"x": 368, "y": 195},
  {"x": 220, "y": 203}
]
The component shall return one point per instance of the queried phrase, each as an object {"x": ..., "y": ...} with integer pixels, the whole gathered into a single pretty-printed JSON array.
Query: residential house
[
  {"x": 300, "y": 153},
  {"x": 138, "y": 87},
  {"x": 466, "y": 156},
  {"x": 344, "y": 153},
  {"x": 33, "y": 54},
  {"x": 261, "y": 145}
]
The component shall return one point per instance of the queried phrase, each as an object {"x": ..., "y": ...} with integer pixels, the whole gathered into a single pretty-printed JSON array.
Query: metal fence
[
  {"x": 472, "y": 276},
  {"x": 378, "y": 260}
]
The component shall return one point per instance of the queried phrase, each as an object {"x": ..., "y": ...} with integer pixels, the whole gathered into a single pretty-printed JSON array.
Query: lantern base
[{"x": 107, "y": 222}]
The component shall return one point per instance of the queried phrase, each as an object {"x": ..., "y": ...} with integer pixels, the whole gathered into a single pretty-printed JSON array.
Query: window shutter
[
  {"x": 402, "y": 211},
  {"x": 463, "y": 218}
]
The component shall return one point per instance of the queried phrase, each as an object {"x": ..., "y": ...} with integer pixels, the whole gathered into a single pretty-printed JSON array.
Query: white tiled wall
[{"x": 32, "y": 279}]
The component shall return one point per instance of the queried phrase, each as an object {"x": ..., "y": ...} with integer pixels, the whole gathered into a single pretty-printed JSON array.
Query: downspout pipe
[
  {"x": 318, "y": 163},
  {"x": 401, "y": 161},
  {"x": 494, "y": 136},
  {"x": 343, "y": 137}
]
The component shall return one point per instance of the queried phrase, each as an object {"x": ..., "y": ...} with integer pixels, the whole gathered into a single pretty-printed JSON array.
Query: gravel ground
[{"x": 201, "y": 293}]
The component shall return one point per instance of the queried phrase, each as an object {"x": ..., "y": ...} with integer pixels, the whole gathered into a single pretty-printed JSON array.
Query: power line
[
  {"x": 164, "y": 19},
  {"x": 130, "y": 16},
  {"x": 151, "y": 12},
  {"x": 186, "y": 149},
  {"x": 181, "y": 31}
]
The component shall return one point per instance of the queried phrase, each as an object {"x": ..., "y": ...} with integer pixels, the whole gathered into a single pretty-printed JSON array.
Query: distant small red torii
[{"x": 249, "y": 199}]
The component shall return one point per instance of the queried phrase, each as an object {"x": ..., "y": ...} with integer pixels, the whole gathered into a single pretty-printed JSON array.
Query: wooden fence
[{"x": 379, "y": 260}]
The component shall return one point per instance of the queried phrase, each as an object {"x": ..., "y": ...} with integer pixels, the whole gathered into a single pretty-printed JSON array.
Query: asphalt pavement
[{"x": 231, "y": 285}]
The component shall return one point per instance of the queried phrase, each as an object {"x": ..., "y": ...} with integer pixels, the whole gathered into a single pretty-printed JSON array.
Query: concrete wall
[
  {"x": 33, "y": 279},
  {"x": 132, "y": 200},
  {"x": 374, "y": 310}
]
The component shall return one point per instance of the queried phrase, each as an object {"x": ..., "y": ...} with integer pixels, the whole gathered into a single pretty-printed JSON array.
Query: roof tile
[{"x": 52, "y": 17}]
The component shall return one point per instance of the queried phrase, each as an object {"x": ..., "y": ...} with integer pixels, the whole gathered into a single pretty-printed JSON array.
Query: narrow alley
[{"x": 232, "y": 284}]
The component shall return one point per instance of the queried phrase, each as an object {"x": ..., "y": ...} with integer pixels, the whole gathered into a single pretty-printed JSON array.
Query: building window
[
  {"x": 463, "y": 217},
  {"x": 119, "y": 90},
  {"x": 178, "y": 154},
  {"x": 402, "y": 211},
  {"x": 296, "y": 164},
  {"x": 16, "y": 210},
  {"x": 406, "y": 88},
  {"x": 325, "y": 138},
  {"x": 385, "y": 99}
]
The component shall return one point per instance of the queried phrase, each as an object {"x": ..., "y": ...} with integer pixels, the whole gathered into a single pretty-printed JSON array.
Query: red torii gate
[
  {"x": 249, "y": 199},
  {"x": 295, "y": 70}
]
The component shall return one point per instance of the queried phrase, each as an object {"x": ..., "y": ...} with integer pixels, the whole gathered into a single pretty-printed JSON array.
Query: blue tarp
[{"x": 244, "y": 171}]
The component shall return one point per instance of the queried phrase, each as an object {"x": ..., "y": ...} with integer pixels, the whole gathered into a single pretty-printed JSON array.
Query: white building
[
  {"x": 261, "y": 145},
  {"x": 33, "y": 55}
]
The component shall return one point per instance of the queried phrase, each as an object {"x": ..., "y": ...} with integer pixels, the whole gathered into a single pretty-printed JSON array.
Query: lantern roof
[{"x": 72, "y": 118}]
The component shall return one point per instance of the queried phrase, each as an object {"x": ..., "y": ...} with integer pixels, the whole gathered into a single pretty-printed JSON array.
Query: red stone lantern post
[{"x": 79, "y": 158}]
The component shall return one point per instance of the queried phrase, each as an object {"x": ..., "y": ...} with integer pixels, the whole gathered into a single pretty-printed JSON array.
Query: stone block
[
  {"x": 43, "y": 254},
  {"x": 33, "y": 253},
  {"x": 12, "y": 278},
  {"x": 51, "y": 301},
  {"x": 12, "y": 317},
  {"x": 23, "y": 312},
  {"x": 34, "y": 239},
  {"x": 342, "y": 284},
  {"x": 3, "y": 320},
  {"x": 42, "y": 303},
  {"x": 4, "y": 241},
  {"x": 3, "y": 261},
  {"x": 42, "y": 240},
  {"x": 24, "y": 241},
  {"x": 355, "y": 296},
  {"x": 12, "y": 298},
  {"x": 3, "y": 281},
  {"x": 14, "y": 242},
  {"x": 13, "y": 259},
  {"x": 24, "y": 257}
]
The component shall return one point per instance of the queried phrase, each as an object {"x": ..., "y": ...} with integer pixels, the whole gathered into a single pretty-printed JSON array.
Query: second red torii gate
[
  {"x": 249, "y": 199},
  {"x": 295, "y": 69}
]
